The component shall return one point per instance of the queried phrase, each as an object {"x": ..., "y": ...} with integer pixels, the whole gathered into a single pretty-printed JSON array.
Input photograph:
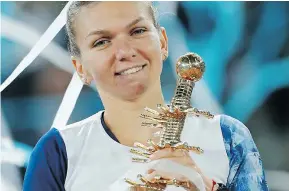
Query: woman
[{"x": 121, "y": 47}]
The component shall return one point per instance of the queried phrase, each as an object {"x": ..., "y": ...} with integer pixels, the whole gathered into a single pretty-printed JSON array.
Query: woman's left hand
[{"x": 181, "y": 157}]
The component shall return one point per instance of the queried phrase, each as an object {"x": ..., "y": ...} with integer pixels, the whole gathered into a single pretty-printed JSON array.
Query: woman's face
[{"x": 121, "y": 50}]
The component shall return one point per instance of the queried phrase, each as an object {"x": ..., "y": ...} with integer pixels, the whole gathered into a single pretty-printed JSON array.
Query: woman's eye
[
  {"x": 139, "y": 31},
  {"x": 100, "y": 43}
]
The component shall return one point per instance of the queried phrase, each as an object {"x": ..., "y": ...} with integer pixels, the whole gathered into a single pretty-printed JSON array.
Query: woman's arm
[
  {"x": 47, "y": 166},
  {"x": 246, "y": 169}
]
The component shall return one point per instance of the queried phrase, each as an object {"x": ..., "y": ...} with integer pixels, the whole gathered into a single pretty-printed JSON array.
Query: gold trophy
[{"x": 170, "y": 119}]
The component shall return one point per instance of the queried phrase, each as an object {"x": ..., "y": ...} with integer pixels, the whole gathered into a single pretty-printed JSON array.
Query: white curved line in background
[
  {"x": 53, "y": 53},
  {"x": 68, "y": 102},
  {"x": 45, "y": 39},
  {"x": 16, "y": 30}
]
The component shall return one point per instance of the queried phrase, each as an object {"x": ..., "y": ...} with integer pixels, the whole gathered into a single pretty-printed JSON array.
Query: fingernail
[{"x": 150, "y": 171}]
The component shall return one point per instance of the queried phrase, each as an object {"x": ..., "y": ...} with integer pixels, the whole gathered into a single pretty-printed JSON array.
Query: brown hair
[{"x": 71, "y": 16}]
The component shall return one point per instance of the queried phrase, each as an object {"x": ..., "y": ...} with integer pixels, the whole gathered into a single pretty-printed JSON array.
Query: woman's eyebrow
[
  {"x": 134, "y": 22},
  {"x": 98, "y": 32},
  {"x": 107, "y": 33}
]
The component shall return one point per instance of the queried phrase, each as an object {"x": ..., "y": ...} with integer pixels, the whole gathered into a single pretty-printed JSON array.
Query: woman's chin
[{"x": 134, "y": 92}]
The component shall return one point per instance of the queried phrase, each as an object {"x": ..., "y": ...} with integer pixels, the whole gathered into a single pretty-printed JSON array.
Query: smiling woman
[
  {"x": 123, "y": 52},
  {"x": 111, "y": 52}
]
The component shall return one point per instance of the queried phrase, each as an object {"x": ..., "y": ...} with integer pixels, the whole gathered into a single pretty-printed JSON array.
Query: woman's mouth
[{"x": 130, "y": 70}]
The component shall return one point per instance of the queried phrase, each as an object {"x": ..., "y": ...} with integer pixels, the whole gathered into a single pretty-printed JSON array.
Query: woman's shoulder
[
  {"x": 47, "y": 164},
  {"x": 76, "y": 129},
  {"x": 230, "y": 127},
  {"x": 245, "y": 160},
  {"x": 82, "y": 123},
  {"x": 49, "y": 141},
  {"x": 76, "y": 134},
  {"x": 237, "y": 136},
  {"x": 233, "y": 128},
  {"x": 58, "y": 137}
]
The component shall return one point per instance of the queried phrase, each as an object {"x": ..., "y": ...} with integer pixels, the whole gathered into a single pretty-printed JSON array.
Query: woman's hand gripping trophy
[{"x": 170, "y": 120}]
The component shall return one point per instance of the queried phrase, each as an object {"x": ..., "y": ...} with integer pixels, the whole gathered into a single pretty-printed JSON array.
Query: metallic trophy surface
[{"x": 170, "y": 119}]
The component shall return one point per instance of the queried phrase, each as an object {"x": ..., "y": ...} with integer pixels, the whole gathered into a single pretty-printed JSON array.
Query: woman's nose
[{"x": 125, "y": 51}]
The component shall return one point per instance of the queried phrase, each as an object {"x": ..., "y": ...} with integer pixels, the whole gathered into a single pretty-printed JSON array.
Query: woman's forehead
[{"x": 102, "y": 15}]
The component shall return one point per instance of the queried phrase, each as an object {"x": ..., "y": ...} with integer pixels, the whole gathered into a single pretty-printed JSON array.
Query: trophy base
[
  {"x": 158, "y": 184},
  {"x": 146, "y": 186}
]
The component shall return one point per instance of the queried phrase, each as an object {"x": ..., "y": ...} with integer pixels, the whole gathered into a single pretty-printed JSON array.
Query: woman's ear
[
  {"x": 83, "y": 74},
  {"x": 77, "y": 65},
  {"x": 164, "y": 41}
]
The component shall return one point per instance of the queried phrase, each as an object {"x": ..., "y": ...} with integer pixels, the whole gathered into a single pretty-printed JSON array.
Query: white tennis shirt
[{"x": 84, "y": 156}]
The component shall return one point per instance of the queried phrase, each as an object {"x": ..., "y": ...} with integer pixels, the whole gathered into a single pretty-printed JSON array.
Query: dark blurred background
[{"x": 245, "y": 46}]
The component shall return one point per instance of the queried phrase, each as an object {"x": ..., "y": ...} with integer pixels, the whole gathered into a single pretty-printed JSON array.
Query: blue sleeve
[
  {"x": 246, "y": 169},
  {"x": 47, "y": 166}
]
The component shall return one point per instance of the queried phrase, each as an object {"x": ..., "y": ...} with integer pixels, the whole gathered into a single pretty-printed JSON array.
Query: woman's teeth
[{"x": 131, "y": 71}]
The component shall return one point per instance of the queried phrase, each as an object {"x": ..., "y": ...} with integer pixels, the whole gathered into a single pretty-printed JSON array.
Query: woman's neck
[{"x": 123, "y": 118}]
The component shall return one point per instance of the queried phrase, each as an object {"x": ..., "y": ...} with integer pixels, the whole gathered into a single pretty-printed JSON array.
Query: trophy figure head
[{"x": 190, "y": 67}]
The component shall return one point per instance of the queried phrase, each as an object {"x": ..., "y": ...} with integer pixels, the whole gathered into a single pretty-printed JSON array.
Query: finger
[
  {"x": 157, "y": 174},
  {"x": 186, "y": 161},
  {"x": 169, "y": 153},
  {"x": 150, "y": 171}
]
